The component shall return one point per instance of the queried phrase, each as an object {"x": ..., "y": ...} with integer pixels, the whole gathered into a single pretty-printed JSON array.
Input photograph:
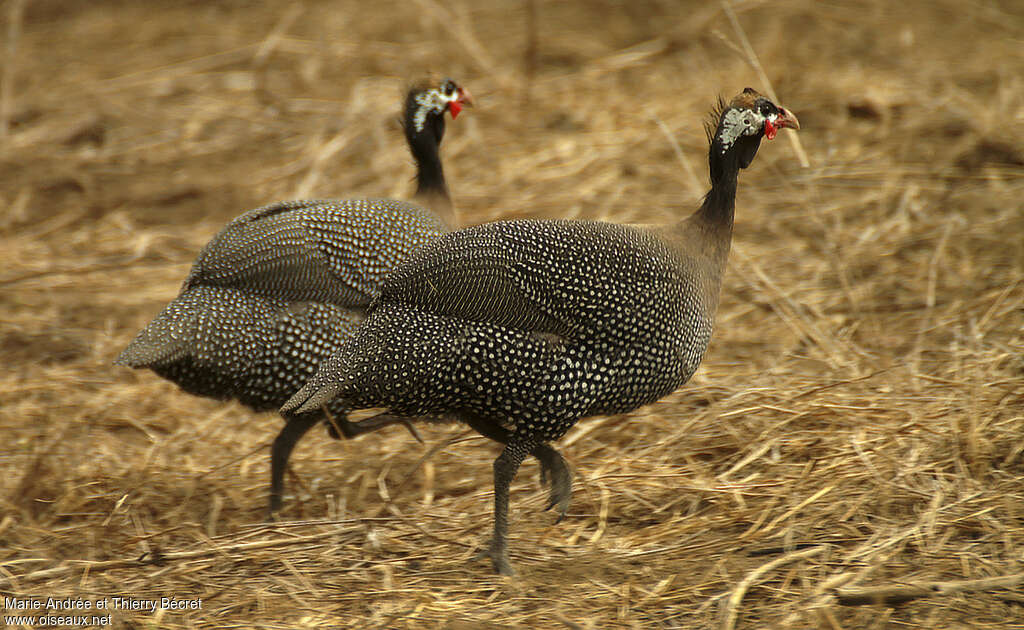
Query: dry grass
[{"x": 858, "y": 422}]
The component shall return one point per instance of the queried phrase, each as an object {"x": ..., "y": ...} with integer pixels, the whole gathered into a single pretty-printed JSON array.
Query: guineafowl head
[
  {"x": 425, "y": 106},
  {"x": 737, "y": 127}
]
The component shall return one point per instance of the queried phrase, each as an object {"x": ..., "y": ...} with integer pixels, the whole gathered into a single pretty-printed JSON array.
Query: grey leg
[
  {"x": 552, "y": 465},
  {"x": 284, "y": 443},
  {"x": 505, "y": 468},
  {"x": 338, "y": 426}
]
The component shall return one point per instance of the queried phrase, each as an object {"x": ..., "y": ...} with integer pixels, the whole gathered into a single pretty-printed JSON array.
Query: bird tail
[
  {"x": 165, "y": 339},
  {"x": 212, "y": 325},
  {"x": 320, "y": 390}
]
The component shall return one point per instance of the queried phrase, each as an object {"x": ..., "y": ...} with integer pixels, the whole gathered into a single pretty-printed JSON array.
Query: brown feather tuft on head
[
  {"x": 714, "y": 117},
  {"x": 746, "y": 98},
  {"x": 424, "y": 83}
]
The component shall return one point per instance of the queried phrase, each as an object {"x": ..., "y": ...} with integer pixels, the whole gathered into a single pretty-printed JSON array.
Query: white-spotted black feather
[
  {"x": 521, "y": 328},
  {"x": 282, "y": 287}
]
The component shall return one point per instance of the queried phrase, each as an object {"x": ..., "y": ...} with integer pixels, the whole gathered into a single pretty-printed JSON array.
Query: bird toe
[{"x": 499, "y": 558}]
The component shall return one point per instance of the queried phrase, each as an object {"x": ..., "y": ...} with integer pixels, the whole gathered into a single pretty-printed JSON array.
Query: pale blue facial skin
[
  {"x": 744, "y": 122},
  {"x": 433, "y": 101}
]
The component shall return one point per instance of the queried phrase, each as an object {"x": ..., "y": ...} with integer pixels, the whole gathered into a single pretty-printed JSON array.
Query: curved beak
[
  {"x": 465, "y": 99},
  {"x": 787, "y": 119}
]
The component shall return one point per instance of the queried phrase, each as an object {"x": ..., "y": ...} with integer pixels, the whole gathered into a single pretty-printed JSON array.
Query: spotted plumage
[
  {"x": 528, "y": 326},
  {"x": 282, "y": 287},
  {"x": 332, "y": 251},
  {"x": 542, "y": 339},
  {"x": 276, "y": 292}
]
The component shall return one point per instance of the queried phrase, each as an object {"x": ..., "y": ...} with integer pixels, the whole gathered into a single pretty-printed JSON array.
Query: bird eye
[{"x": 746, "y": 121}]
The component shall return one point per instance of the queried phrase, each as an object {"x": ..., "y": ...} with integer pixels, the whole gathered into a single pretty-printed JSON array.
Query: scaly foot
[{"x": 499, "y": 558}]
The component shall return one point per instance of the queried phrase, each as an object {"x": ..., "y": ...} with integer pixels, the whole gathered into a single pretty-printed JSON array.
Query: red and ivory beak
[
  {"x": 465, "y": 100},
  {"x": 787, "y": 119}
]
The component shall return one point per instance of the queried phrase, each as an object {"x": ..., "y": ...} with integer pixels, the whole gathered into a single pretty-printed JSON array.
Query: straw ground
[{"x": 850, "y": 455}]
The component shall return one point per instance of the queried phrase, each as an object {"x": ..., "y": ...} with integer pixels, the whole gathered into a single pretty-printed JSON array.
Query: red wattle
[
  {"x": 769, "y": 130},
  {"x": 454, "y": 108}
]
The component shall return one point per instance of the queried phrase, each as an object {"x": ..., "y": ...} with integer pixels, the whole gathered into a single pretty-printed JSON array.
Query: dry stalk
[
  {"x": 901, "y": 593},
  {"x": 693, "y": 182},
  {"x": 838, "y": 353},
  {"x": 730, "y": 608},
  {"x": 787, "y": 514},
  {"x": 929, "y": 315},
  {"x": 15, "y": 581},
  {"x": 631, "y": 57},
  {"x": 321, "y": 158},
  {"x": 463, "y": 33},
  {"x": 755, "y": 63},
  {"x": 530, "y": 55},
  {"x": 15, "y": 13},
  {"x": 277, "y": 35},
  {"x": 205, "y": 63}
]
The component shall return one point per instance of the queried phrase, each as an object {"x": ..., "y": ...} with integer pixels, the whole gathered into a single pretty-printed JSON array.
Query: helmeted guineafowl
[
  {"x": 281, "y": 287},
  {"x": 521, "y": 328}
]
